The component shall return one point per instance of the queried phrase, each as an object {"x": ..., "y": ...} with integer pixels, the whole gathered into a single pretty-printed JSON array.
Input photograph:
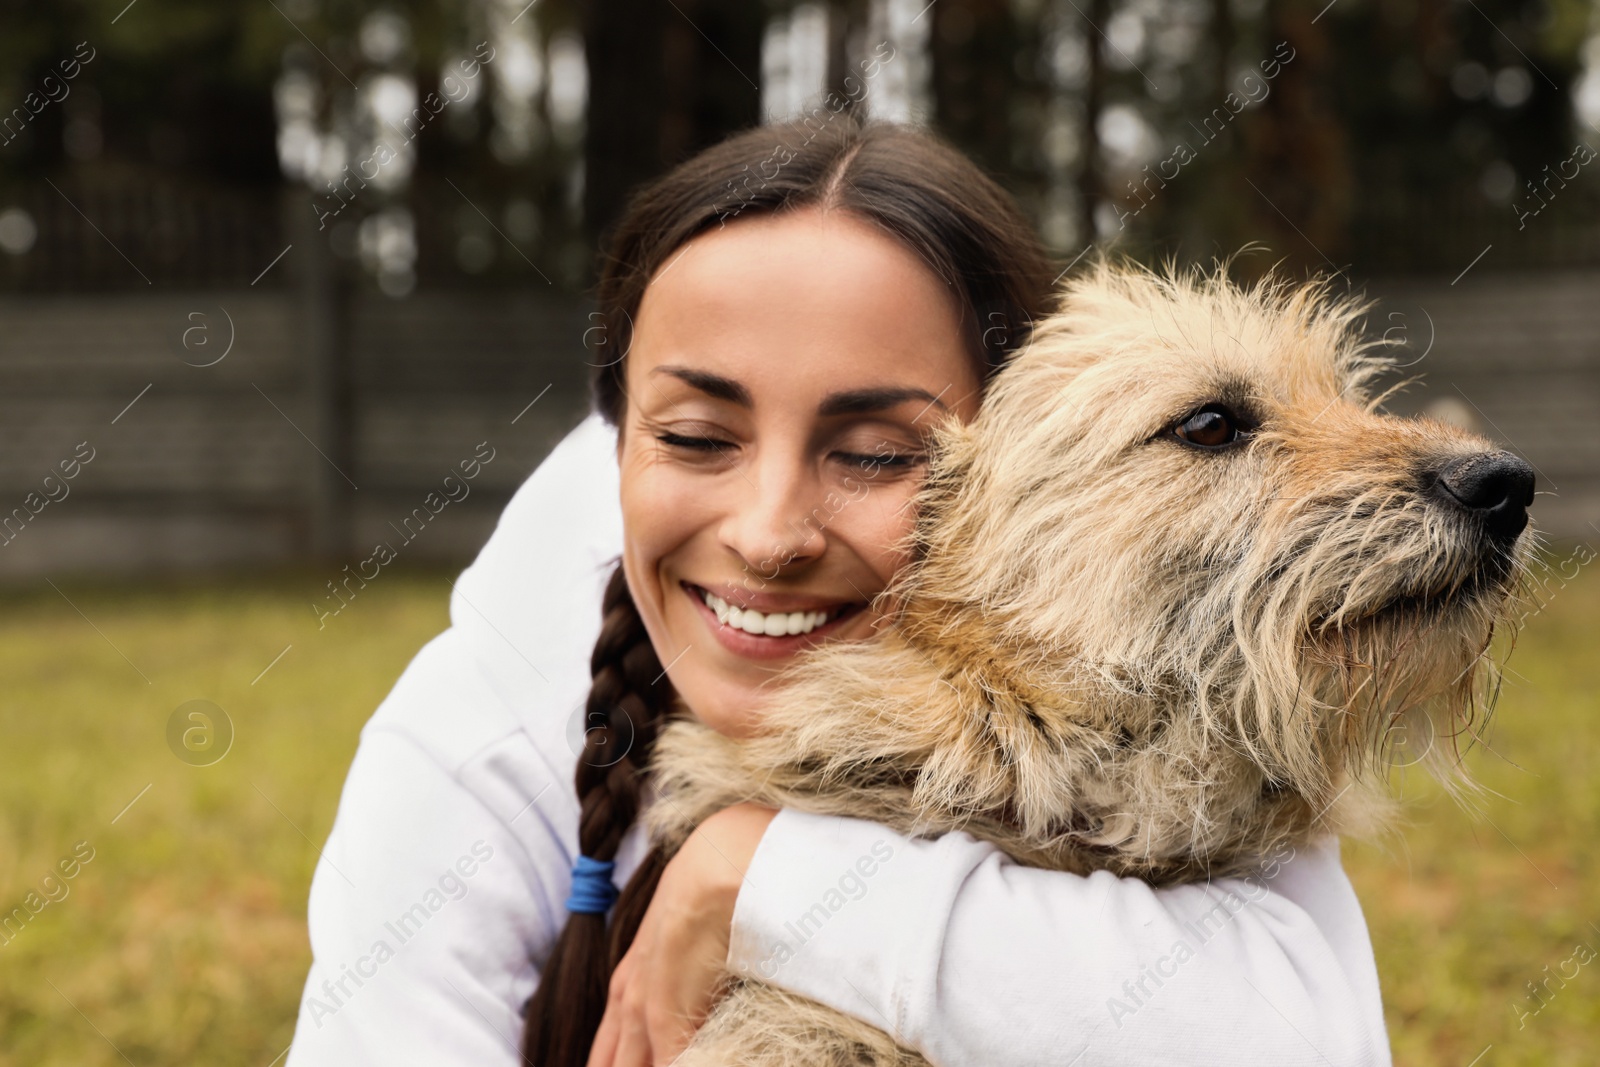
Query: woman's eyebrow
[
  {"x": 847, "y": 402},
  {"x": 861, "y": 401},
  {"x": 714, "y": 385}
]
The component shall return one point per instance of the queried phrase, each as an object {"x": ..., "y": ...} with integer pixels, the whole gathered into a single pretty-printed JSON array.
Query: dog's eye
[{"x": 1213, "y": 426}]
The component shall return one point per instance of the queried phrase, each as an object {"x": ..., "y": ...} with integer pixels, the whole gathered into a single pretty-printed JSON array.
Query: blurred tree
[
  {"x": 668, "y": 79},
  {"x": 1401, "y": 134},
  {"x": 1092, "y": 169},
  {"x": 984, "y": 78},
  {"x": 847, "y": 21},
  {"x": 1296, "y": 158},
  {"x": 179, "y": 86}
]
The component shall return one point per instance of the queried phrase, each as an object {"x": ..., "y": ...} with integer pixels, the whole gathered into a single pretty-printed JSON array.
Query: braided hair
[
  {"x": 624, "y": 711},
  {"x": 920, "y": 191}
]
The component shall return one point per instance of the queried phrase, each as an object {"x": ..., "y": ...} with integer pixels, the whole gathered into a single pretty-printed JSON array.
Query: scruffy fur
[{"x": 1116, "y": 651}]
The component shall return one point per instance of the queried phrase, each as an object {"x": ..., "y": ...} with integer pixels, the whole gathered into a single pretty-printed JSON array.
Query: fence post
[{"x": 323, "y": 301}]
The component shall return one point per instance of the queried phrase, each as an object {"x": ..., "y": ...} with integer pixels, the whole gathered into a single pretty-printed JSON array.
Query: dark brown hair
[{"x": 920, "y": 191}]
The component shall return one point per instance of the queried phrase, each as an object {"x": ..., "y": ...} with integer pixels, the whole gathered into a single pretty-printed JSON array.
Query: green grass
[
  {"x": 1466, "y": 909},
  {"x": 183, "y": 940}
]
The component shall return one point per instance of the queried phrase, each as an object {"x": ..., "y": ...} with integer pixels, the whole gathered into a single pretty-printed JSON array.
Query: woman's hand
[{"x": 665, "y": 985}]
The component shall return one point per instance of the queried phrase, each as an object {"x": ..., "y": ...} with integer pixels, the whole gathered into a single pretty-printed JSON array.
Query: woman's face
[{"x": 783, "y": 377}]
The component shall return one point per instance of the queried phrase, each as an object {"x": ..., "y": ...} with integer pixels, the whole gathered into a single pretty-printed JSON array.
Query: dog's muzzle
[{"x": 1494, "y": 487}]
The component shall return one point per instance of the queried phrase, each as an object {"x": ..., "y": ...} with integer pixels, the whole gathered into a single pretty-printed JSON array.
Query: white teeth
[{"x": 777, "y": 624}]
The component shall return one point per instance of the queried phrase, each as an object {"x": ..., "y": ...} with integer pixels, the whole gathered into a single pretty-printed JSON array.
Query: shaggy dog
[{"x": 1176, "y": 591}]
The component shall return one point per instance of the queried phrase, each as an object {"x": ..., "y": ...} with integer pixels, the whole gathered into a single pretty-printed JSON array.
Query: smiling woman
[{"x": 748, "y": 414}]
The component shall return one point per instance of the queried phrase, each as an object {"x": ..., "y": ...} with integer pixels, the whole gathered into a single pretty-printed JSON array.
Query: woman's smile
[{"x": 766, "y": 626}]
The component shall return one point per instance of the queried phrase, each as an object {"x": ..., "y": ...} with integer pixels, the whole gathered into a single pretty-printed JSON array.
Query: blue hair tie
[{"x": 593, "y": 891}]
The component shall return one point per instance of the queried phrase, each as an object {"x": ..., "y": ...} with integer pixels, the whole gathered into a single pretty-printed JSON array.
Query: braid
[{"x": 628, "y": 701}]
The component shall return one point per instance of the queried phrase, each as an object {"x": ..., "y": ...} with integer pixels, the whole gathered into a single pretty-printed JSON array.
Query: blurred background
[{"x": 270, "y": 270}]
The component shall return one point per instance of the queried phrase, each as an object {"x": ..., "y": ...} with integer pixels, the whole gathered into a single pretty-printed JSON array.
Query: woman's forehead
[{"x": 806, "y": 288}]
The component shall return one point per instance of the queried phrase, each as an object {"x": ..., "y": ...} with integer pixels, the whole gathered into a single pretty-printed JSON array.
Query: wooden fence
[
  {"x": 196, "y": 465},
  {"x": 202, "y": 459}
]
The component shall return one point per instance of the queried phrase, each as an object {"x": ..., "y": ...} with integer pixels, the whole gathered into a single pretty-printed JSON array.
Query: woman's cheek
[
  {"x": 658, "y": 496},
  {"x": 659, "y": 505},
  {"x": 878, "y": 523}
]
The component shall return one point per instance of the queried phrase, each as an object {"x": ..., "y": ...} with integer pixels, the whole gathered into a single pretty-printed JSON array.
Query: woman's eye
[
  {"x": 698, "y": 444},
  {"x": 881, "y": 459},
  {"x": 1213, "y": 426}
]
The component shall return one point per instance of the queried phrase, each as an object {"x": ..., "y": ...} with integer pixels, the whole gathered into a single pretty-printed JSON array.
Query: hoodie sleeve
[
  {"x": 970, "y": 958},
  {"x": 443, "y": 878},
  {"x": 422, "y": 910}
]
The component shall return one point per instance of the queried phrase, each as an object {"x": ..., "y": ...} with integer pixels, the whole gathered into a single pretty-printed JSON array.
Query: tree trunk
[
  {"x": 324, "y": 320},
  {"x": 664, "y": 82},
  {"x": 1222, "y": 37},
  {"x": 847, "y": 21},
  {"x": 1091, "y": 179},
  {"x": 975, "y": 46}
]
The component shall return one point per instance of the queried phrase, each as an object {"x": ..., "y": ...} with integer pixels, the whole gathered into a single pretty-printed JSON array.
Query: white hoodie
[{"x": 442, "y": 883}]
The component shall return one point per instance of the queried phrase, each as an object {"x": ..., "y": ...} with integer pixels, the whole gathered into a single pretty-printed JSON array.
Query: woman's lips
[{"x": 738, "y": 640}]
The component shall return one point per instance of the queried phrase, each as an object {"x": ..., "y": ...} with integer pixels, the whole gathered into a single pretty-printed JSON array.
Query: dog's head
[{"x": 1181, "y": 506}]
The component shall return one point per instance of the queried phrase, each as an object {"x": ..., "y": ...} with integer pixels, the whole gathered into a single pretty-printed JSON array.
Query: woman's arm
[
  {"x": 444, "y": 875},
  {"x": 970, "y": 958},
  {"x": 421, "y": 912},
  {"x": 471, "y": 753}
]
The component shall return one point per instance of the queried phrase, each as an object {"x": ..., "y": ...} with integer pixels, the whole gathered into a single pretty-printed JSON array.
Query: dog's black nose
[{"x": 1496, "y": 486}]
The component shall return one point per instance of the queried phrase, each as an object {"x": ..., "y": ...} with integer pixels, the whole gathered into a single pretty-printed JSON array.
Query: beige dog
[{"x": 1177, "y": 588}]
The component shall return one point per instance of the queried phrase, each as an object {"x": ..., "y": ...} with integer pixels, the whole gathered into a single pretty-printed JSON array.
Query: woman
[{"x": 786, "y": 326}]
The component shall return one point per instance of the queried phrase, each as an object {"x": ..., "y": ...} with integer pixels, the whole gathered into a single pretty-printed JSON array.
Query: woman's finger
[
  {"x": 669, "y": 1036},
  {"x": 671, "y": 1020},
  {"x": 633, "y": 1047},
  {"x": 603, "y": 1053}
]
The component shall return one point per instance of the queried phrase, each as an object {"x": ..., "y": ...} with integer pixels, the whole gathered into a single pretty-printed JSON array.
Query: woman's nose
[{"x": 775, "y": 522}]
